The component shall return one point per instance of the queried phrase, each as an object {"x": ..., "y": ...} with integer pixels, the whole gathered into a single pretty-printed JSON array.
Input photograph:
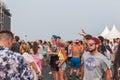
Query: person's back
[
  {"x": 116, "y": 75},
  {"x": 75, "y": 60},
  {"x": 12, "y": 65},
  {"x": 37, "y": 60},
  {"x": 16, "y": 44},
  {"x": 76, "y": 50},
  {"x": 36, "y": 54},
  {"x": 15, "y": 47}
]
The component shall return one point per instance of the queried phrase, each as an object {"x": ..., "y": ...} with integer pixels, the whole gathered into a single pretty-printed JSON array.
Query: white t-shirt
[
  {"x": 69, "y": 51},
  {"x": 28, "y": 58},
  {"x": 41, "y": 49},
  {"x": 39, "y": 54}
]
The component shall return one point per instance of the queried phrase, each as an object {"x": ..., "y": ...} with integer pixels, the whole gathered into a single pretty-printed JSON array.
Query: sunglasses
[{"x": 91, "y": 44}]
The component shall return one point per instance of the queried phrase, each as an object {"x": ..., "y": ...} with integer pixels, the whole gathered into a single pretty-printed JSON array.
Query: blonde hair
[{"x": 25, "y": 47}]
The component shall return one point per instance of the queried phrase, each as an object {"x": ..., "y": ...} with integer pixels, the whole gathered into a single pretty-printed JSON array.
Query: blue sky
[{"x": 39, "y": 19}]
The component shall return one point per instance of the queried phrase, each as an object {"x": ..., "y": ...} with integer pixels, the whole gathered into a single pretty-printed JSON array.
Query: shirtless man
[{"x": 77, "y": 50}]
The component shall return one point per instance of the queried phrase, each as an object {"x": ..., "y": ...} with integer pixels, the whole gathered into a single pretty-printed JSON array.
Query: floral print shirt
[{"x": 13, "y": 66}]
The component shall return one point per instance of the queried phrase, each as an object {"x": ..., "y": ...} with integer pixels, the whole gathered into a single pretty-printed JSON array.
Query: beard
[{"x": 92, "y": 50}]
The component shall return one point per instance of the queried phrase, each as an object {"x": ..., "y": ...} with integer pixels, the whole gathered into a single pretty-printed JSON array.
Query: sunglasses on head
[{"x": 91, "y": 44}]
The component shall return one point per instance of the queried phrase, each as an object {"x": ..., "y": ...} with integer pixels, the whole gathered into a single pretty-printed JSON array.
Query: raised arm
[{"x": 108, "y": 74}]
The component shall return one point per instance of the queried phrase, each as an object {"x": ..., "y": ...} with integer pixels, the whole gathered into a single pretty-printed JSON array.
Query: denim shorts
[{"x": 63, "y": 66}]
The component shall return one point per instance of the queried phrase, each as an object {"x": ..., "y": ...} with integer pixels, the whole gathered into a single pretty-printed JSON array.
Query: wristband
[{"x": 37, "y": 72}]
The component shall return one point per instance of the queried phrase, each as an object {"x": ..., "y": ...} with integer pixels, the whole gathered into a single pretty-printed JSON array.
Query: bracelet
[{"x": 37, "y": 72}]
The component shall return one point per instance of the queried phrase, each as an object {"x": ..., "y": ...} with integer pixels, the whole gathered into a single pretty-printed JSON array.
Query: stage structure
[{"x": 5, "y": 17}]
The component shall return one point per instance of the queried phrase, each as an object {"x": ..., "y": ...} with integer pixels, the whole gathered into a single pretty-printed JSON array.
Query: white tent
[
  {"x": 114, "y": 33},
  {"x": 105, "y": 31}
]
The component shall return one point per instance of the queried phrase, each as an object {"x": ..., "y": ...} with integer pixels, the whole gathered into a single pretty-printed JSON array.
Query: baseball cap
[
  {"x": 55, "y": 36},
  {"x": 97, "y": 41},
  {"x": 77, "y": 40}
]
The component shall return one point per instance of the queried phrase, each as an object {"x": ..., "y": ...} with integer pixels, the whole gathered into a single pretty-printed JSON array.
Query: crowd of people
[{"x": 93, "y": 58}]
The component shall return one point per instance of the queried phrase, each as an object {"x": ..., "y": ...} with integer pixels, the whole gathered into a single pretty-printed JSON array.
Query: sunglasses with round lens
[{"x": 90, "y": 44}]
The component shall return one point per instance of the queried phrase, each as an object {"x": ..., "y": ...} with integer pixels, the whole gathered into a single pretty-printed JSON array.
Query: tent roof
[
  {"x": 105, "y": 31},
  {"x": 114, "y": 33}
]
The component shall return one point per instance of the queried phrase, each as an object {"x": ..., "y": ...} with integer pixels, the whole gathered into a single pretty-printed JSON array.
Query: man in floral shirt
[{"x": 12, "y": 65}]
